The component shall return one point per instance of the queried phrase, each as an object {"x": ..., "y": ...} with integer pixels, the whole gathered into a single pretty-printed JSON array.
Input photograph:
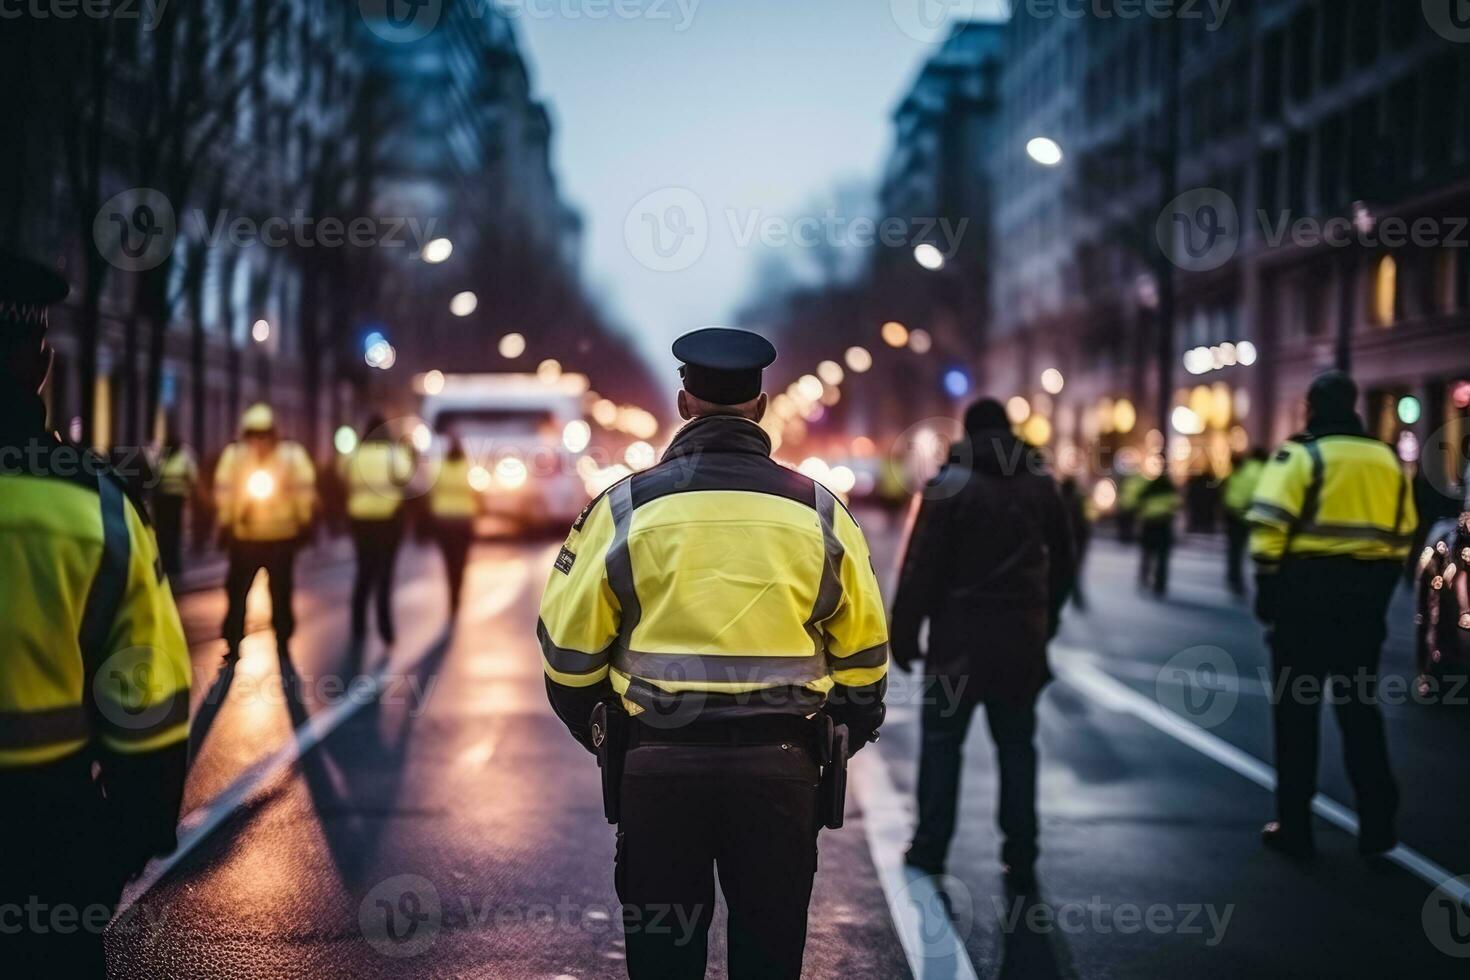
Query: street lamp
[
  {"x": 260, "y": 332},
  {"x": 463, "y": 304},
  {"x": 1045, "y": 151},
  {"x": 929, "y": 256},
  {"x": 437, "y": 250}
]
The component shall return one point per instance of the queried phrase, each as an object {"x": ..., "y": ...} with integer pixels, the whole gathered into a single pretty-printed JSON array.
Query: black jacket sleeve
[
  {"x": 1061, "y": 554},
  {"x": 920, "y": 579}
]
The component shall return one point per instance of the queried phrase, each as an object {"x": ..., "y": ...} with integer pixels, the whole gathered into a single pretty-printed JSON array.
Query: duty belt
[{"x": 760, "y": 730}]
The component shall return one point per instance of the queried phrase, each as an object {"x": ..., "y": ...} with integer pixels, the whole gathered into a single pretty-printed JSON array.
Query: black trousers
[
  {"x": 454, "y": 538},
  {"x": 749, "y": 810},
  {"x": 945, "y": 724},
  {"x": 1157, "y": 541},
  {"x": 62, "y": 872},
  {"x": 278, "y": 558},
  {"x": 1237, "y": 536},
  {"x": 168, "y": 526},
  {"x": 376, "y": 543},
  {"x": 1326, "y": 645}
]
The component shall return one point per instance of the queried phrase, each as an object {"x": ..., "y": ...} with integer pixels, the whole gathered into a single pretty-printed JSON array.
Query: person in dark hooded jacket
[{"x": 989, "y": 563}]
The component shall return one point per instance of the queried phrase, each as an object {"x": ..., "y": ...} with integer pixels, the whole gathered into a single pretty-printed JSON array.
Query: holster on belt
[
  {"x": 610, "y": 738},
  {"x": 832, "y": 752}
]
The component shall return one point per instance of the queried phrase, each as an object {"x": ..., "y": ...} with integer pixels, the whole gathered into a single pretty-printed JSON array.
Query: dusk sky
[{"x": 761, "y": 108}]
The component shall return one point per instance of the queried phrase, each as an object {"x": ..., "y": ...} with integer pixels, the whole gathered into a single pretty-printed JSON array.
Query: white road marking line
[
  {"x": 200, "y": 823},
  {"x": 933, "y": 948},
  {"x": 1085, "y": 676}
]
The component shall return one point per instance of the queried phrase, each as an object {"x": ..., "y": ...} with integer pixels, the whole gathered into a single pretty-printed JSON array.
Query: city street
[{"x": 433, "y": 819}]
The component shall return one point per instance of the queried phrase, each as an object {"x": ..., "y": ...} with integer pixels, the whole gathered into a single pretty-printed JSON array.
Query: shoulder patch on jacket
[{"x": 564, "y": 560}]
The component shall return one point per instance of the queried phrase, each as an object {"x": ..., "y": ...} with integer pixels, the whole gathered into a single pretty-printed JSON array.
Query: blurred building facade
[
  {"x": 902, "y": 339},
  {"x": 288, "y": 120},
  {"x": 1293, "y": 113}
]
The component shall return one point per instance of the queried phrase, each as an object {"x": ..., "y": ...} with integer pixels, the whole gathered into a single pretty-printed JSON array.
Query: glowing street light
[
  {"x": 920, "y": 342},
  {"x": 512, "y": 346},
  {"x": 895, "y": 334},
  {"x": 436, "y": 251},
  {"x": 434, "y": 382},
  {"x": 463, "y": 304},
  {"x": 830, "y": 372},
  {"x": 1045, "y": 151},
  {"x": 260, "y": 332},
  {"x": 549, "y": 371},
  {"x": 858, "y": 359},
  {"x": 1052, "y": 381},
  {"x": 929, "y": 256}
]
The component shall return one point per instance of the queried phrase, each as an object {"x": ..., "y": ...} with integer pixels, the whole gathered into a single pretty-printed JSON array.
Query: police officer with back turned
[
  {"x": 721, "y": 615},
  {"x": 1332, "y": 521},
  {"x": 94, "y": 670}
]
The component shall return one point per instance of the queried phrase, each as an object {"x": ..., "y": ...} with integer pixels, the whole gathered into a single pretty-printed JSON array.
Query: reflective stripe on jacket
[
  {"x": 265, "y": 498},
  {"x": 1332, "y": 495},
  {"x": 452, "y": 497},
  {"x": 717, "y": 572},
  {"x": 376, "y": 474},
  {"x": 94, "y": 650}
]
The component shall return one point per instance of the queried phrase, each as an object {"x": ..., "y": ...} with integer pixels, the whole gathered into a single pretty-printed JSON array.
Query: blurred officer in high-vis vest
[
  {"x": 178, "y": 479},
  {"x": 94, "y": 670},
  {"x": 376, "y": 474},
  {"x": 453, "y": 505},
  {"x": 1332, "y": 522},
  {"x": 727, "y": 604},
  {"x": 265, "y": 498}
]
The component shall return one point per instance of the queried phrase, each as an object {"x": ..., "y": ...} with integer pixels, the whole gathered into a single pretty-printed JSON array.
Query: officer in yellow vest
[
  {"x": 1158, "y": 502},
  {"x": 1332, "y": 520},
  {"x": 1130, "y": 490},
  {"x": 178, "y": 479},
  {"x": 94, "y": 671},
  {"x": 1240, "y": 489},
  {"x": 453, "y": 506},
  {"x": 265, "y": 498},
  {"x": 728, "y": 605},
  {"x": 376, "y": 474}
]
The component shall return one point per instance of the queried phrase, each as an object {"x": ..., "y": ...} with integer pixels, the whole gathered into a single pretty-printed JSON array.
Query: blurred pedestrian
[
  {"x": 1079, "y": 517},
  {"x": 1158, "y": 503},
  {"x": 178, "y": 483},
  {"x": 1130, "y": 490},
  {"x": 989, "y": 564},
  {"x": 1240, "y": 488},
  {"x": 265, "y": 499},
  {"x": 1332, "y": 520},
  {"x": 453, "y": 506},
  {"x": 376, "y": 474},
  {"x": 94, "y": 677}
]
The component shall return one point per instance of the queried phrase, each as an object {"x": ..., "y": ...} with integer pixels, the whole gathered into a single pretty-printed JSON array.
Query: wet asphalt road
[{"x": 440, "y": 823}]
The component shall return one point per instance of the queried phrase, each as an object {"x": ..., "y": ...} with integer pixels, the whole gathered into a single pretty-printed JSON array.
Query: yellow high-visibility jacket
[
  {"x": 717, "y": 579},
  {"x": 178, "y": 472},
  {"x": 1130, "y": 491},
  {"x": 451, "y": 497},
  {"x": 94, "y": 652},
  {"x": 1332, "y": 495},
  {"x": 1240, "y": 486},
  {"x": 265, "y": 498},
  {"x": 376, "y": 474},
  {"x": 1158, "y": 502}
]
